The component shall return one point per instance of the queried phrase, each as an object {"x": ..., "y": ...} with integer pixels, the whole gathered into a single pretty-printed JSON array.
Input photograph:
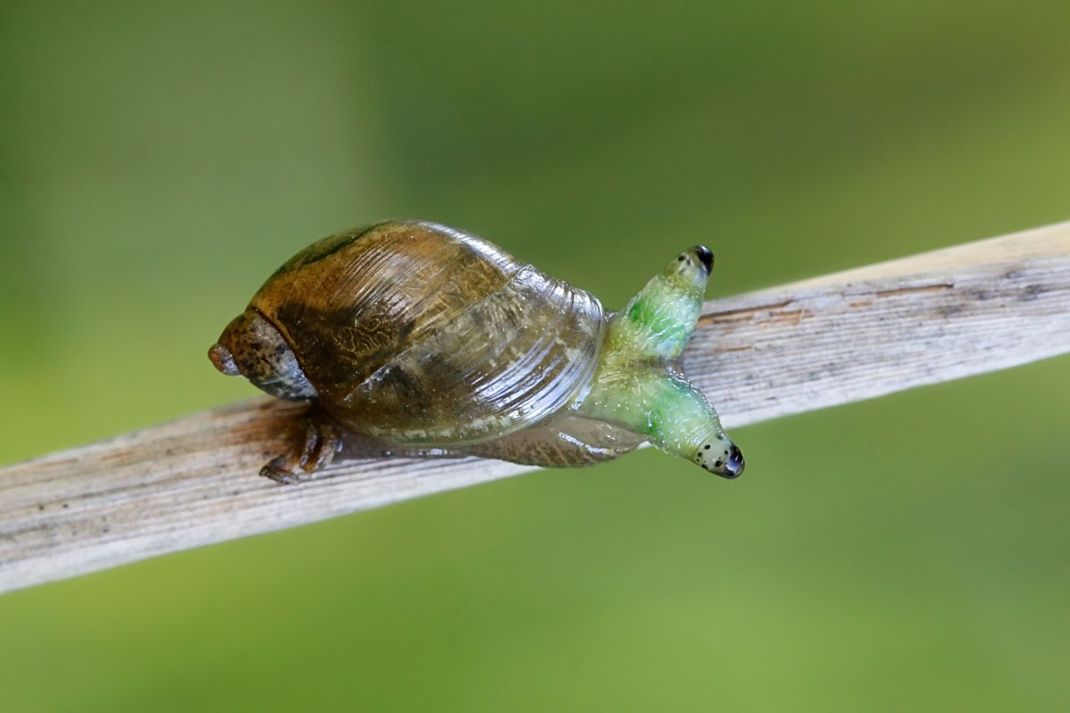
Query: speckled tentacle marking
[{"x": 637, "y": 387}]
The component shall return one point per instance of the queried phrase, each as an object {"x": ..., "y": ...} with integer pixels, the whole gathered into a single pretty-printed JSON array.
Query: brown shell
[{"x": 418, "y": 333}]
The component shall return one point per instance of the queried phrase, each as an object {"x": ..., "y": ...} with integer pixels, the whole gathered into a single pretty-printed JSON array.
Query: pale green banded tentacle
[
  {"x": 670, "y": 412},
  {"x": 658, "y": 322}
]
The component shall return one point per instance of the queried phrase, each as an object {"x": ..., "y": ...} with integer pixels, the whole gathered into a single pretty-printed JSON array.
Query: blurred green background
[{"x": 157, "y": 161}]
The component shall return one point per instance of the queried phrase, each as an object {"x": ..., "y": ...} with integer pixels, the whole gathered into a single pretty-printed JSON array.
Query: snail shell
[{"x": 422, "y": 334}]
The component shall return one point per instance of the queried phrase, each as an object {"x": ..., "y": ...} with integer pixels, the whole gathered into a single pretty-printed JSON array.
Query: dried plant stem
[{"x": 845, "y": 337}]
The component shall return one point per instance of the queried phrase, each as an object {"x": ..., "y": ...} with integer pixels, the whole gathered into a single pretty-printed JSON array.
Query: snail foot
[{"x": 322, "y": 441}]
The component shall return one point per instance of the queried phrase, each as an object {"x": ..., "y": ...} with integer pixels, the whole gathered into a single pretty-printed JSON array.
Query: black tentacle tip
[
  {"x": 733, "y": 466},
  {"x": 706, "y": 256}
]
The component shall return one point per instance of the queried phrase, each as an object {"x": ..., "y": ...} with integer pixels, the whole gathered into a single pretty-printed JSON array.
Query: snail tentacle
[
  {"x": 658, "y": 322},
  {"x": 671, "y": 413},
  {"x": 637, "y": 386}
]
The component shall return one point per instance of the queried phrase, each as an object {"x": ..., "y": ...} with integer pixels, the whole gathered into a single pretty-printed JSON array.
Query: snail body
[{"x": 426, "y": 338}]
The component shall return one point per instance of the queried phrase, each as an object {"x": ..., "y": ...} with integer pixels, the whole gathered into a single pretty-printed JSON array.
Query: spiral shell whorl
[{"x": 418, "y": 333}]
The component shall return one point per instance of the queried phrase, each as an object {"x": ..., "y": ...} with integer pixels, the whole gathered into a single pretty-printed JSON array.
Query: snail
[{"x": 427, "y": 339}]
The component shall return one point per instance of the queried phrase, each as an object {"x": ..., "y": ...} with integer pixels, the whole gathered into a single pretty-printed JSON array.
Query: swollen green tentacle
[{"x": 636, "y": 387}]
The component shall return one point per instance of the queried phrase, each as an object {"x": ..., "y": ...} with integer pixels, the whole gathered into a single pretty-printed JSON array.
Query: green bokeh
[{"x": 157, "y": 161}]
